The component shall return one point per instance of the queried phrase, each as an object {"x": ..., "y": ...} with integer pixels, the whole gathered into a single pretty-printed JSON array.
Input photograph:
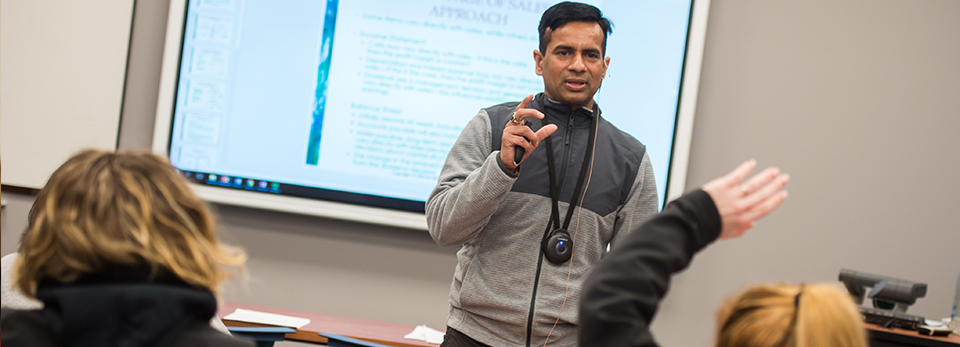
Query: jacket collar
[
  {"x": 123, "y": 306},
  {"x": 560, "y": 113}
]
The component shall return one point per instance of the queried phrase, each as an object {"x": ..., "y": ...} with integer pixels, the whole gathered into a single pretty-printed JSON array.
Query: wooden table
[
  {"x": 384, "y": 333},
  {"x": 894, "y": 337}
]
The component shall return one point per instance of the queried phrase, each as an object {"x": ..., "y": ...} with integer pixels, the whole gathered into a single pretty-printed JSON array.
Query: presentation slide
[{"x": 348, "y": 100}]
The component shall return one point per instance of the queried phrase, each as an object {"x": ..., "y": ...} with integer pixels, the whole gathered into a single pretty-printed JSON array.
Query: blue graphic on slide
[{"x": 323, "y": 76}]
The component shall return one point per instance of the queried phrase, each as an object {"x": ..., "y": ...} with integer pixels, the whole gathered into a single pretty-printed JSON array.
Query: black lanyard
[{"x": 554, "y": 194}]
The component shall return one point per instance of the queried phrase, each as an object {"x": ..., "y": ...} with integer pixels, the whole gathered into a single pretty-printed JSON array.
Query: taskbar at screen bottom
[{"x": 273, "y": 187}]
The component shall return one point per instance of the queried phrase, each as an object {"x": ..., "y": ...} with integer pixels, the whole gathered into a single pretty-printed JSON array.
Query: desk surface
[
  {"x": 391, "y": 334},
  {"x": 384, "y": 333},
  {"x": 900, "y": 337}
]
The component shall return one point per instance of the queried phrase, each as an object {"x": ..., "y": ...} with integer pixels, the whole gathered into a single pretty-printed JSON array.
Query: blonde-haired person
[
  {"x": 621, "y": 295},
  {"x": 121, "y": 253},
  {"x": 804, "y": 315}
]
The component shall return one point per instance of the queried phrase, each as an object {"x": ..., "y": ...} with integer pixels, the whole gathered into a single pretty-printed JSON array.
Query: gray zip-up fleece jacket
[{"x": 504, "y": 292}]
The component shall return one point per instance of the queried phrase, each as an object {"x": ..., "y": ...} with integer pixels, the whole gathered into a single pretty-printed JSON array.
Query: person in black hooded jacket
[
  {"x": 623, "y": 292},
  {"x": 121, "y": 253}
]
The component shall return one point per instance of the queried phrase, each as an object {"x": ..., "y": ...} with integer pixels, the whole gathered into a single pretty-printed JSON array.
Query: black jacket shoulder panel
[{"x": 617, "y": 161}]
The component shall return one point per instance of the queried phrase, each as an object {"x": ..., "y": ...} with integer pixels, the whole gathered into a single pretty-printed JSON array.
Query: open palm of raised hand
[{"x": 742, "y": 201}]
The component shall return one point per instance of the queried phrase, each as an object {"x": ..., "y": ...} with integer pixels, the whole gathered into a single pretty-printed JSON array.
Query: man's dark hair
[{"x": 565, "y": 12}]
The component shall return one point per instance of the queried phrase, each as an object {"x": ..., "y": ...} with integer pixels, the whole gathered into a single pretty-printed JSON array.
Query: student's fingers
[
  {"x": 763, "y": 208},
  {"x": 730, "y": 181},
  {"x": 763, "y": 185},
  {"x": 759, "y": 180}
]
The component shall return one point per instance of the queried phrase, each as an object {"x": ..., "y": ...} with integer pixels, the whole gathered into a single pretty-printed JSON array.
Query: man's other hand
[{"x": 515, "y": 134}]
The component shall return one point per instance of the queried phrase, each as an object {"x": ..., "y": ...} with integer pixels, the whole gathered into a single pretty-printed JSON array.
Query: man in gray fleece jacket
[{"x": 506, "y": 291}]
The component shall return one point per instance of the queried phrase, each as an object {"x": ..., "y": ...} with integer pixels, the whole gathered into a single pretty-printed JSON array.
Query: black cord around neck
[{"x": 554, "y": 193}]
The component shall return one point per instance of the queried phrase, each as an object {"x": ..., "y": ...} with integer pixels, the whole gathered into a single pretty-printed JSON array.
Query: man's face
[{"x": 573, "y": 65}]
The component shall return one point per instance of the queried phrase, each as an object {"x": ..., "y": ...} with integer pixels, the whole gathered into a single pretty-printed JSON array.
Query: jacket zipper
[
  {"x": 536, "y": 279},
  {"x": 566, "y": 153}
]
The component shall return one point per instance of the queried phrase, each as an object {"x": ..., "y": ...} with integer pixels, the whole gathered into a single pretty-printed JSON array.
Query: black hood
[{"x": 123, "y": 307}]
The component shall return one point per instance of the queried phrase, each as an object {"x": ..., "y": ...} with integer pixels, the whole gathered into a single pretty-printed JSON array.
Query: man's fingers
[
  {"x": 516, "y": 134},
  {"x": 543, "y": 133},
  {"x": 525, "y": 137},
  {"x": 522, "y": 142},
  {"x": 523, "y": 112},
  {"x": 521, "y": 136},
  {"x": 526, "y": 133},
  {"x": 515, "y": 141},
  {"x": 520, "y": 112},
  {"x": 526, "y": 101}
]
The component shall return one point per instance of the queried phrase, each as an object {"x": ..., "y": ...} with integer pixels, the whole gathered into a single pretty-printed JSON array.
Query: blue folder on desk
[
  {"x": 335, "y": 340},
  {"x": 264, "y": 336}
]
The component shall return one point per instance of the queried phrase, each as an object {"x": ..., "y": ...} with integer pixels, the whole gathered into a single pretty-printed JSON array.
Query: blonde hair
[
  {"x": 103, "y": 209},
  {"x": 791, "y": 316}
]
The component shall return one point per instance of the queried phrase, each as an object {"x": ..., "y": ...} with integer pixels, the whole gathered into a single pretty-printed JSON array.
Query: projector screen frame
[{"x": 171, "y": 62}]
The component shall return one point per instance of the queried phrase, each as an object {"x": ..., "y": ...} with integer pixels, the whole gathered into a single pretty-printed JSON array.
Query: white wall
[
  {"x": 856, "y": 99},
  {"x": 62, "y": 68}
]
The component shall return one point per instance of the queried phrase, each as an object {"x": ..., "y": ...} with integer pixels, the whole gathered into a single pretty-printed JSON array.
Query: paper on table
[
  {"x": 251, "y": 316},
  {"x": 425, "y": 333}
]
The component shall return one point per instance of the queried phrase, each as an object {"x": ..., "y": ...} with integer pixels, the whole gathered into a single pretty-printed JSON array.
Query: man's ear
[
  {"x": 606, "y": 64},
  {"x": 537, "y": 59}
]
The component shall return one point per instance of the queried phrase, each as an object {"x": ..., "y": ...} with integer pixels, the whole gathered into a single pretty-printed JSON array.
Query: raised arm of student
[{"x": 621, "y": 295}]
